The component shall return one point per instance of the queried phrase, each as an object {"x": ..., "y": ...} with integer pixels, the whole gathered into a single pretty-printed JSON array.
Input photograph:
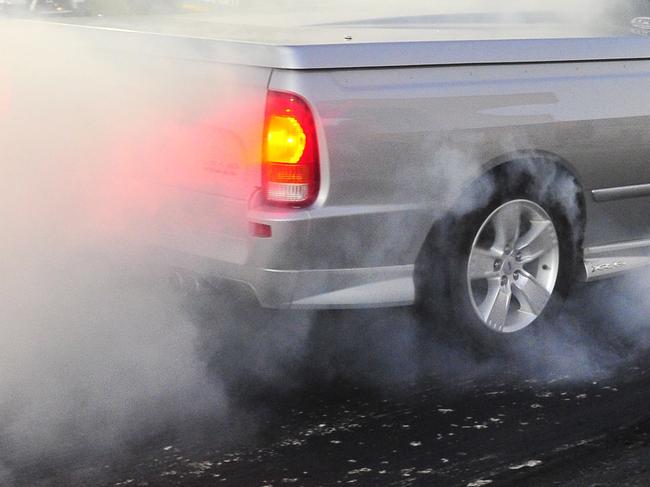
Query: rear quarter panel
[{"x": 402, "y": 144}]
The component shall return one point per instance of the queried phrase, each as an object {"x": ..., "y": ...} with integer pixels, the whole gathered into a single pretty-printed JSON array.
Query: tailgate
[
  {"x": 200, "y": 162},
  {"x": 192, "y": 154},
  {"x": 161, "y": 145}
]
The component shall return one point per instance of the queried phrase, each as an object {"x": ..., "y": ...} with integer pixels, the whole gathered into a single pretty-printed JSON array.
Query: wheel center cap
[{"x": 508, "y": 267}]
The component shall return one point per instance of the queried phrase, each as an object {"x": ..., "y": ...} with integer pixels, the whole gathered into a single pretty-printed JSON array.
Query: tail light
[{"x": 290, "y": 174}]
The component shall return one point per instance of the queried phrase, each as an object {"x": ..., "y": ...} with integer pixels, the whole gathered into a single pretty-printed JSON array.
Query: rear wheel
[{"x": 501, "y": 272}]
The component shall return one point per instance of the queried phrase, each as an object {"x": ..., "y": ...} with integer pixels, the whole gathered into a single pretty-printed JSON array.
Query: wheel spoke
[
  {"x": 494, "y": 309},
  {"x": 539, "y": 240},
  {"x": 532, "y": 296},
  {"x": 507, "y": 223},
  {"x": 481, "y": 264}
]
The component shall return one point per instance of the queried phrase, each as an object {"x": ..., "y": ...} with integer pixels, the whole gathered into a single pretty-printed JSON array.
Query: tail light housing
[{"x": 290, "y": 165}]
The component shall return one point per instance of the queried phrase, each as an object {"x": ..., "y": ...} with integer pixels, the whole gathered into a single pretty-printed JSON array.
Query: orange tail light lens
[
  {"x": 285, "y": 140},
  {"x": 290, "y": 173}
]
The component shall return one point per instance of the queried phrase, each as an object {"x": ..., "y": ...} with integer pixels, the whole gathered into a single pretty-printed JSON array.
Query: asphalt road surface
[{"x": 508, "y": 425}]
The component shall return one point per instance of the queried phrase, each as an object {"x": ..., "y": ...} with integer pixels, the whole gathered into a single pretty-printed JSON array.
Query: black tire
[{"x": 443, "y": 301}]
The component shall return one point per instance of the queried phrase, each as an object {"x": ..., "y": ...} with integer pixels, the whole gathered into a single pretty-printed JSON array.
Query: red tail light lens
[{"x": 290, "y": 174}]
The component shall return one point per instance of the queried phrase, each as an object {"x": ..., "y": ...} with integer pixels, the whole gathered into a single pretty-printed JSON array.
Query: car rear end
[
  {"x": 235, "y": 204},
  {"x": 245, "y": 194}
]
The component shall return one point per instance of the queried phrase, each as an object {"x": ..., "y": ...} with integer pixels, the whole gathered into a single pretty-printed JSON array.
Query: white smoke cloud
[
  {"x": 93, "y": 354},
  {"x": 94, "y": 350}
]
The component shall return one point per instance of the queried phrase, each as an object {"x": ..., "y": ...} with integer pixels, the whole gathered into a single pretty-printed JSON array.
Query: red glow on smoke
[{"x": 154, "y": 161}]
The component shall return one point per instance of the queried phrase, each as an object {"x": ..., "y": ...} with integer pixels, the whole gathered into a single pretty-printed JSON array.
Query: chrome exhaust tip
[{"x": 184, "y": 283}]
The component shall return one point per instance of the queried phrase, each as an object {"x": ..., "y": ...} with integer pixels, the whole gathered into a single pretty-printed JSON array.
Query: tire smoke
[{"x": 96, "y": 354}]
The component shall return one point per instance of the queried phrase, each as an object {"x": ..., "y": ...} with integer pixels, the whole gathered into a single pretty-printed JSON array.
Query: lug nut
[
  {"x": 516, "y": 275},
  {"x": 497, "y": 264},
  {"x": 504, "y": 280},
  {"x": 519, "y": 256}
]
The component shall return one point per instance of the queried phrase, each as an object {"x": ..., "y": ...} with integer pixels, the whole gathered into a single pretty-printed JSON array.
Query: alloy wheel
[{"x": 513, "y": 266}]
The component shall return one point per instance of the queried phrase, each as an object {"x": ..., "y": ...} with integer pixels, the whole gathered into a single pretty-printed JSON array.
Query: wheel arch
[{"x": 536, "y": 164}]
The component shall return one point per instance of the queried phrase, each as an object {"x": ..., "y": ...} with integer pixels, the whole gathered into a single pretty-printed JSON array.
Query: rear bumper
[
  {"x": 318, "y": 258},
  {"x": 306, "y": 289}
]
